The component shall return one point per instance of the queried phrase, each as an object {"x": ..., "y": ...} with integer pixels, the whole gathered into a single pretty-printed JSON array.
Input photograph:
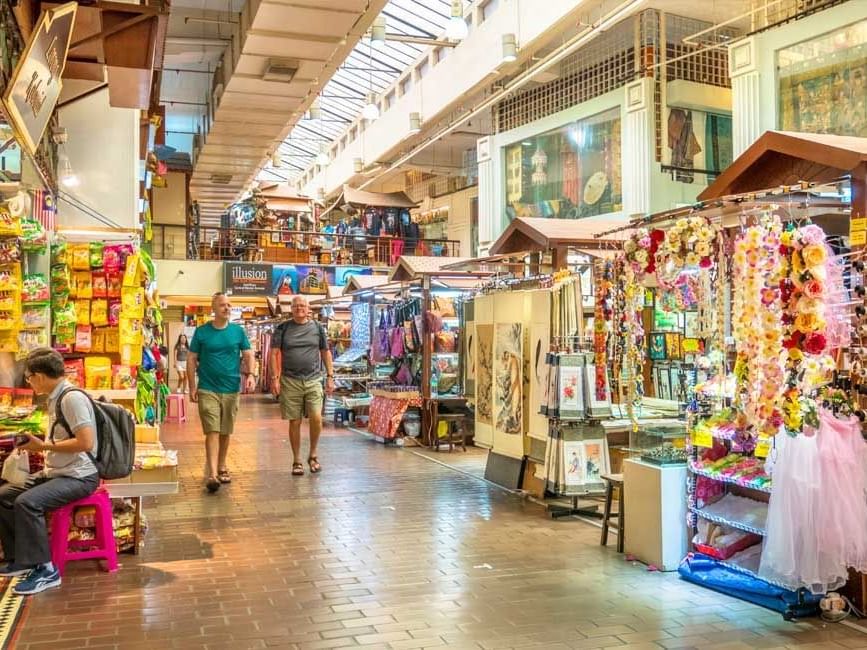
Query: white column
[
  {"x": 637, "y": 147},
  {"x": 489, "y": 219},
  {"x": 746, "y": 94}
]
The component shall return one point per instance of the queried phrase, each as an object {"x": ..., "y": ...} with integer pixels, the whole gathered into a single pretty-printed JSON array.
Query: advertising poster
[{"x": 312, "y": 279}]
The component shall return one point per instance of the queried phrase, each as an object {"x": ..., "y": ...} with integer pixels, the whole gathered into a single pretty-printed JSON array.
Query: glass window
[
  {"x": 489, "y": 8},
  {"x": 697, "y": 140},
  {"x": 568, "y": 173},
  {"x": 823, "y": 83}
]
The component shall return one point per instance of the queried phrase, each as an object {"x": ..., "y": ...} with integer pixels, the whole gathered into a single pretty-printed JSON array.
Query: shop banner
[
  {"x": 35, "y": 85},
  {"x": 312, "y": 279},
  {"x": 247, "y": 279}
]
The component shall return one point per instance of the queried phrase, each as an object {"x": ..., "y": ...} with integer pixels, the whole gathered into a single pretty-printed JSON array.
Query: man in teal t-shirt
[{"x": 214, "y": 371}]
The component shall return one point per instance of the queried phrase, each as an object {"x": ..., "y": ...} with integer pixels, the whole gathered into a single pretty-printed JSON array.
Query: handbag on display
[
  {"x": 396, "y": 343},
  {"x": 403, "y": 376}
]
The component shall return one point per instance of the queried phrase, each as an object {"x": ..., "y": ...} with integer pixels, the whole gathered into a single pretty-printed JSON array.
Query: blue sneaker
[
  {"x": 39, "y": 579},
  {"x": 10, "y": 570}
]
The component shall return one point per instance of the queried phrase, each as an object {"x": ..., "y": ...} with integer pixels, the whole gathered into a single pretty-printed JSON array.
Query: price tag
[
  {"x": 678, "y": 443},
  {"x": 857, "y": 224},
  {"x": 763, "y": 447},
  {"x": 858, "y": 238},
  {"x": 702, "y": 438}
]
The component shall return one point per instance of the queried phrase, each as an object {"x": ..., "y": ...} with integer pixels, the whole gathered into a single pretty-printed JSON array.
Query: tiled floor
[{"x": 384, "y": 549}]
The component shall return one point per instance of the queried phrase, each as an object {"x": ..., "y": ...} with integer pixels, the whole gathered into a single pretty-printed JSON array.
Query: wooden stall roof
[
  {"x": 357, "y": 282},
  {"x": 785, "y": 158},
  {"x": 409, "y": 267},
  {"x": 282, "y": 196},
  {"x": 378, "y": 199},
  {"x": 540, "y": 234}
]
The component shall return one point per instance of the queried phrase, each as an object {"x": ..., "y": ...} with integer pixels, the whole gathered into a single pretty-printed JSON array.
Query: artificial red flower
[
  {"x": 813, "y": 289},
  {"x": 657, "y": 235},
  {"x": 784, "y": 250},
  {"x": 705, "y": 263},
  {"x": 815, "y": 343},
  {"x": 794, "y": 340}
]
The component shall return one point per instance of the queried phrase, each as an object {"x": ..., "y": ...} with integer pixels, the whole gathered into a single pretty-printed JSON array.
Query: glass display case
[{"x": 659, "y": 444}]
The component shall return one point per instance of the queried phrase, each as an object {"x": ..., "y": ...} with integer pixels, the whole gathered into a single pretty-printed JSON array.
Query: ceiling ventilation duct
[{"x": 281, "y": 70}]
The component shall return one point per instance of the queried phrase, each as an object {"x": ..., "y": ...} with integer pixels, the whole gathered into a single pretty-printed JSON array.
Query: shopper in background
[
  {"x": 304, "y": 349},
  {"x": 69, "y": 475},
  {"x": 182, "y": 348},
  {"x": 214, "y": 365}
]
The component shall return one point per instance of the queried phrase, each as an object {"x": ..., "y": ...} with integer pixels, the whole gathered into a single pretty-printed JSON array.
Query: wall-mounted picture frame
[{"x": 656, "y": 350}]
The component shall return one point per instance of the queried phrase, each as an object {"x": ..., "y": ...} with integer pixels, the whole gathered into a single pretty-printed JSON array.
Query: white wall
[
  {"x": 103, "y": 149},
  {"x": 170, "y": 202},
  {"x": 189, "y": 277}
]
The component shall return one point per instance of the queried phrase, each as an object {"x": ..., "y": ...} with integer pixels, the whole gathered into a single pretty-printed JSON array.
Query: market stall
[{"x": 765, "y": 272}]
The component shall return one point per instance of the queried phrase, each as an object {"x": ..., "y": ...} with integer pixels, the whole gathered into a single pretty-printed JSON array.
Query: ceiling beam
[
  {"x": 302, "y": 5},
  {"x": 296, "y": 36}
]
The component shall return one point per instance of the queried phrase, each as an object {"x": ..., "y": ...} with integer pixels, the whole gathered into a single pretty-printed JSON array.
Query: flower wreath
[{"x": 690, "y": 243}]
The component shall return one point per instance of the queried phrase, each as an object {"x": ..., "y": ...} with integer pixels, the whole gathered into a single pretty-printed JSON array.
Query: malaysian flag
[{"x": 44, "y": 209}]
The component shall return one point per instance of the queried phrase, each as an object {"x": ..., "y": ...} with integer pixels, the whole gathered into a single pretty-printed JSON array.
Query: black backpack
[{"x": 115, "y": 436}]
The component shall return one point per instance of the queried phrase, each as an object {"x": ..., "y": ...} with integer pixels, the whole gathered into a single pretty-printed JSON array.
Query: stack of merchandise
[
  {"x": 23, "y": 297},
  {"x": 19, "y": 415},
  {"x": 83, "y": 528}
]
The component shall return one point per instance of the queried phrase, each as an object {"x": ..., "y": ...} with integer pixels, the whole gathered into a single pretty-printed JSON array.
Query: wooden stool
[
  {"x": 612, "y": 482},
  {"x": 455, "y": 433}
]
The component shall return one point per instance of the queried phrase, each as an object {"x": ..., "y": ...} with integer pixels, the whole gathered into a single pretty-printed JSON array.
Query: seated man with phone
[{"x": 70, "y": 474}]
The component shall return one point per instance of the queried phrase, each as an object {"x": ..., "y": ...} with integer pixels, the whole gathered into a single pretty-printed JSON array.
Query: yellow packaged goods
[
  {"x": 10, "y": 277},
  {"x": 122, "y": 377},
  {"x": 9, "y": 341},
  {"x": 99, "y": 313},
  {"x": 83, "y": 284},
  {"x": 131, "y": 331},
  {"x": 98, "y": 340},
  {"x": 132, "y": 273},
  {"x": 145, "y": 433},
  {"x": 131, "y": 354},
  {"x": 10, "y": 225},
  {"x": 112, "y": 340},
  {"x": 97, "y": 373},
  {"x": 132, "y": 301},
  {"x": 82, "y": 312},
  {"x": 81, "y": 257}
]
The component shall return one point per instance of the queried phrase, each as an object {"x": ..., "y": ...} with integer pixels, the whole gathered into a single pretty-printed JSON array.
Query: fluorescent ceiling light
[
  {"x": 377, "y": 33},
  {"x": 510, "y": 48}
]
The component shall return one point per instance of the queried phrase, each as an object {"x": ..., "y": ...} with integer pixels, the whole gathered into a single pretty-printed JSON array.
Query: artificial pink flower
[
  {"x": 811, "y": 234},
  {"x": 769, "y": 295},
  {"x": 705, "y": 263}
]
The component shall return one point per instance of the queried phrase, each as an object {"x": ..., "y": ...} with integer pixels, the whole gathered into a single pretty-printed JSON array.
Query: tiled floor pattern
[{"x": 384, "y": 549}]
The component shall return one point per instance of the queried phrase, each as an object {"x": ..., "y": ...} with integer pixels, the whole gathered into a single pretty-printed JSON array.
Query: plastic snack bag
[
  {"x": 130, "y": 331},
  {"x": 82, "y": 312},
  {"x": 34, "y": 289},
  {"x": 59, "y": 300},
  {"x": 113, "y": 282},
  {"x": 131, "y": 354},
  {"x": 9, "y": 321},
  {"x": 9, "y": 225},
  {"x": 132, "y": 275},
  {"x": 111, "y": 259},
  {"x": 123, "y": 377},
  {"x": 96, "y": 254},
  {"x": 34, "y": 239},
  {"x": 98, "y": 340},
  {"x": 99, "y": 286},
  {"x": 59, "y": 253},
  {"x": 99, "y": 313},
  {"x": 9, "y": 251},
  {"x": 83, "y": 338},
  {"x": 9, "y": 301},
  {"x": 114, "y": 313},
  {"x": 132, "y": 302},
  {"x": 97, "y": 373},
  {"x": 10, "y": 277},
  {"x": 112, "y": 340},
  {"x": 64, "y": 318},
  {"x": 80, "y": 257},
  {"x": 60, "y": 278},
  {"x": 35, "y": 317},
  {"x": 83, "y": 286}
]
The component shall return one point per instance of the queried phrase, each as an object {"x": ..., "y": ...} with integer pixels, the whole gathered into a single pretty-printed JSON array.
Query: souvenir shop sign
[
  {"x": 35, "y": 86},
  {"x": 247, "y": 279}
]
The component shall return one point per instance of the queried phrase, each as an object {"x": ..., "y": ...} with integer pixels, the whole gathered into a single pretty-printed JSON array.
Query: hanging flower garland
[
  {"x": 805, "y": 291},
  {"x": 690, "y": 243},
  {"x": 603, "y": 312},
  {"x": 630, "y": 331},
  {"x": 756, "y": 324}
]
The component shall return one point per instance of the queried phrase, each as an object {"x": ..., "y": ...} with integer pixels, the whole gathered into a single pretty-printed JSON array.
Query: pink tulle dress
[{"x": 817, "y": 515}]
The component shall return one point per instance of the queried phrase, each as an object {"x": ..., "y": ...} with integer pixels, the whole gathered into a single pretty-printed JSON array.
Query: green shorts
[
  {"x": 300, "y": 397},
  {"x": 217, "y": 411}
]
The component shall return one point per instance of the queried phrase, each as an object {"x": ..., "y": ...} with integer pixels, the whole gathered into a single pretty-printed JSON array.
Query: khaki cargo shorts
[
  {"x": 300, "y": 397},
  {"x": 217, "y": 411}
]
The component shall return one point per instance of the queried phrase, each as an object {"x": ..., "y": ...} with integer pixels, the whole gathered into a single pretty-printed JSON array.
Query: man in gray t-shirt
[
  {"x": 297, "y": 378},
  {"x": 69, "y": 475}
]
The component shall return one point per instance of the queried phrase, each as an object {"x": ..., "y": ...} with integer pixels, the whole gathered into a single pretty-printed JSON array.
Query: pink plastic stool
[
  {"x": 180, "y": 402},
  {"x": 103, "y": 548}
]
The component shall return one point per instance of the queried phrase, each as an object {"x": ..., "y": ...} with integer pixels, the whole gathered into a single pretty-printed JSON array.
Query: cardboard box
[
  {"x": 157, "y": 475},
  {"x": 146, "y": 434},
  {"x": 124, "y": 480}
]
